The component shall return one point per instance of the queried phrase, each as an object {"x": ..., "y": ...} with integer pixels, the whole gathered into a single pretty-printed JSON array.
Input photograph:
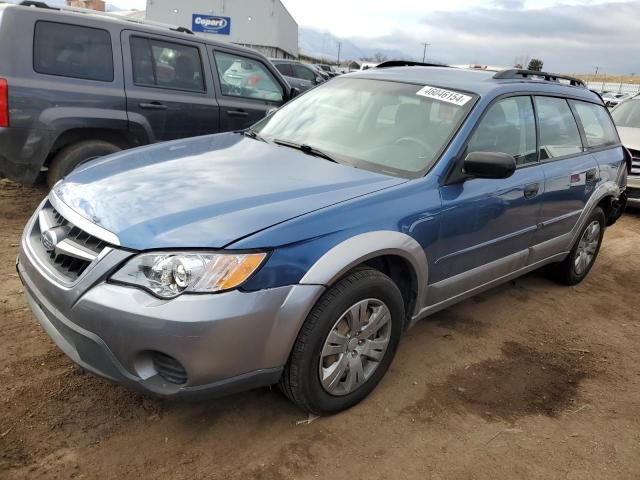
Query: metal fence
[{"x": 614, "y": 87}]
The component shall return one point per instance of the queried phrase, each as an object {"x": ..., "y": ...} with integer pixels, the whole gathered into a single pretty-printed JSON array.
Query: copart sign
[{"x": 210, "y": 24}]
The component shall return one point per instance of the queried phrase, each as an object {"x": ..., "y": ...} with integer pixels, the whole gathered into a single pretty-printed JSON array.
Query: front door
[
  {"x": 487, "y": 225},
  {"x": 168, "y": 94},
  {"x": 247, "y": 89}
]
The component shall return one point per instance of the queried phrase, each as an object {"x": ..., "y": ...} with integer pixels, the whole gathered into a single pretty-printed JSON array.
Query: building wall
[{"x": 264, "y": 23}]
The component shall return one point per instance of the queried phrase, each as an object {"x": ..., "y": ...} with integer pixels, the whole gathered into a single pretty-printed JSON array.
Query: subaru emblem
[{"x": 49, "y": 239}]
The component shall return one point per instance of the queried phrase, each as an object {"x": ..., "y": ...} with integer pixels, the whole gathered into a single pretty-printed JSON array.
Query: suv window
[
  {"x": 157, "y": 63},
  {"x": 304, "y": 73},
  {"x": 559, "y": 135},
  {"x": 246, "y": 77},
  {"x": 598, "y": 128},
  {"x": 72, "y": 51},
  {"x": 284, "y": 69},
  {"x": 509, "y": 127}
]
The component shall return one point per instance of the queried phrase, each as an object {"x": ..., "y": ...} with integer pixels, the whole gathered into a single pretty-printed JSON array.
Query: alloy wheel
[
  {"x": 587, "y": 247},
  {"x": 355, "y": 347}
]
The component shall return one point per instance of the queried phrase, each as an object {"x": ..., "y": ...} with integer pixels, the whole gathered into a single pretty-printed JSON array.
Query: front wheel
[
  {"x": 76, "y": 154},
  {"x": 584, "y": 252},
  {"x": 346, "y": 344}
]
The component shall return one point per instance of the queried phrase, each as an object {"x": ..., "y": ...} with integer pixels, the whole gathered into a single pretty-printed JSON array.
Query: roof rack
[
  {"x": 549, "y": 77},
  {"x": 86, "y": 11},
  {"x": 407, "y": 63}
]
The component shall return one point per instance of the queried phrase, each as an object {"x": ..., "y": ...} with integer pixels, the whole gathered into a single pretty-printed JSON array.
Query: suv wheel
[
  {"x": 346, "y": 344},
  {"x": 583, "y": 254},
  {"x": 76, "y": 154}
]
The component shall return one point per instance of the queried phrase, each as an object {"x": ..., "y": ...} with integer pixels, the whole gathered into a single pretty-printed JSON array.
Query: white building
[{"x": 264, "y": 25}]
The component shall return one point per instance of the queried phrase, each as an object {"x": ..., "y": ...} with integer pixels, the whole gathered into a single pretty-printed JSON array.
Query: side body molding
[{"x": 350, "y": 253}]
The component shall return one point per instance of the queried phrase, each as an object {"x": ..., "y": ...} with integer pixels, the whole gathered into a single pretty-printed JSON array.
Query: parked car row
[
  {"x": 611, "y": 99},
  {"x": 84, "y": 85}
]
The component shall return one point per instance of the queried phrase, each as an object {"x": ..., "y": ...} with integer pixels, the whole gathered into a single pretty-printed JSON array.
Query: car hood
[
  {"x": 630, "y": 137},
  {"x": 208, "y": 191}
]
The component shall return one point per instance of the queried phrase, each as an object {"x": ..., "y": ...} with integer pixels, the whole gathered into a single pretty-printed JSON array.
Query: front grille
[
  {"x": 633, "y": 193},
  {"x": 635, "y": 162},
  {"x": 69, "y": 250},
  {"x": 169, "y": 368}
]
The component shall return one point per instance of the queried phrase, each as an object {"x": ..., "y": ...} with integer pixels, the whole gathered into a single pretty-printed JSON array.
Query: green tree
[{"x": 535, "y": 64}]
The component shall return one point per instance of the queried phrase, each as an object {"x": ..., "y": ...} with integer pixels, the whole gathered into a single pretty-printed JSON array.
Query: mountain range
[{"x": 319, "y": 44}]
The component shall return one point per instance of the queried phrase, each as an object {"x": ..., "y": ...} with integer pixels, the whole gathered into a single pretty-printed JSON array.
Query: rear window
[
  {"x": 627, "y": 114},
  {"x": 72, "y": 51},
  {"x": 598, "y": 128}
]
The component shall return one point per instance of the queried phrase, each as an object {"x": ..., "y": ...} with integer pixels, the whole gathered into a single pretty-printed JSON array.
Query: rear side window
[
  {"x": 165, "y": 64},
  {"x": 304, "y": 73},
  {"x": 508, "y": 127},
  {"x": 559, "y": 134},
  {"x": 72, "y": 51},
  {"x": 285, "y": 69},
  {"x": 598, "y": 128}
]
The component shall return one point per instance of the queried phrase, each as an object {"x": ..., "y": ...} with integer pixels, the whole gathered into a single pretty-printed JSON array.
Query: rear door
[
  {"x": 247, "y": 88},
  {"x": 571, "y": 172},
  {"x": 168, "y": 94}
]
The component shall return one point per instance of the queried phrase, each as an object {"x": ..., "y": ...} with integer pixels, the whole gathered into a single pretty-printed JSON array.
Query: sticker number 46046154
[{"x": 444, "y": 95}]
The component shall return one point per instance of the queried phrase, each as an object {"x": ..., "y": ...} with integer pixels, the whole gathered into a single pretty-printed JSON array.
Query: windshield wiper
[
  {"x": 308, "y": 149},
  {"x": 253, "y": 134}
]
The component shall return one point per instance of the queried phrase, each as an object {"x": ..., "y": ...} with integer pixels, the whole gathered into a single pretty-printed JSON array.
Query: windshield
[
  {"x": 388, "y": 127},
  {"x": 627, "y": 114}
]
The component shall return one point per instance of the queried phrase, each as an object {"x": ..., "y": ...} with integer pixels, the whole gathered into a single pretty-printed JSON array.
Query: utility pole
[
  {"x": 424, "y": 52},
  {"x": 339, "y": 47}
]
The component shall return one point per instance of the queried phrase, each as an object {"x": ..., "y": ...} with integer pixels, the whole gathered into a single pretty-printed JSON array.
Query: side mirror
[
  {"x": 489, "y": 165},
  {"x": 294, "y": 92}
]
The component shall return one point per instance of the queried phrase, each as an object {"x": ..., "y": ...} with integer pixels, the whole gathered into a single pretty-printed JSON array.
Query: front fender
[{"x": 360, "y": 248}]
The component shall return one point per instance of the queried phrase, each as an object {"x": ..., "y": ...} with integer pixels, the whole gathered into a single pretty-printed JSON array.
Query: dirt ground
[{"x": 529, "y": 380}]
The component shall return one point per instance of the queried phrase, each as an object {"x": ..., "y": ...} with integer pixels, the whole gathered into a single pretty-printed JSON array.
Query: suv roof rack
[
  {"x": 407, "y": 63},
  {"x": 86, "y": 11},
  {"x": 549, "y": 77}
]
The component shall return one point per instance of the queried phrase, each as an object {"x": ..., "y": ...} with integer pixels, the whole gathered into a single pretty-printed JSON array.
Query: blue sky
[{"x": 570, "y": 36}]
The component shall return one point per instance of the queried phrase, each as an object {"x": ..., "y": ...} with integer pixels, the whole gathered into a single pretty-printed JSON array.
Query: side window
[
  {"x": 285, "y": 69},
  {"x": 559, "y": 133},
  {"x": 304, "y": 73},
  {"x": 72, "y": 51},
  {"x": 168, "y": 65},
  {"x": 246, "y": 77},
  {"x": 508, "y": 127},
  {"x": 597, "y": 125}
]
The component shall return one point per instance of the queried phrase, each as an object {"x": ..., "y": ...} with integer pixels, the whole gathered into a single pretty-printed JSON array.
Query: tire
[
  {"x": 369, "y": 292},
  {"x": 76, "y": 154},
  {"x": 568, "y": 272}
]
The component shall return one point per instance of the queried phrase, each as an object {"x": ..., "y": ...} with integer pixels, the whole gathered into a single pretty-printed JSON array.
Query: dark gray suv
[{"x": 76, "y": 86}]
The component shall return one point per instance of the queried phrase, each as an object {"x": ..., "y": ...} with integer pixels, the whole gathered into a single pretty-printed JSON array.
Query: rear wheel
[
  {"x": 346, "y": 344},
  {"x": 76, "y": 154},
  {"x": 583, "y": 254}
]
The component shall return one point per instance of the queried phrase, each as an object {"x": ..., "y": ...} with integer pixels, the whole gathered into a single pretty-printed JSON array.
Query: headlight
[{"x": 168, "y": 274}]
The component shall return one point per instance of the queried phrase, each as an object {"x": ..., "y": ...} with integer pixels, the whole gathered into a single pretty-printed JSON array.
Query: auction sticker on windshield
[{"x": 444, "y": 95}]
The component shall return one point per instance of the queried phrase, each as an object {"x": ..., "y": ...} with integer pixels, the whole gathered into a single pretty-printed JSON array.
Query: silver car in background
[{"x": 626, "y": 116}]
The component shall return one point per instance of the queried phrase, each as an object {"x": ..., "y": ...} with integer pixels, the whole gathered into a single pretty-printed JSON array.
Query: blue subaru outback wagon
[{"x": 299, "y": 251}]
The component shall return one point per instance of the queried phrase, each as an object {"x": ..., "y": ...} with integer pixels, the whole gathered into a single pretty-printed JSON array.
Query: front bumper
[
  {"x": 226, "y": 342},
  {"x": 633, "y": 190}
]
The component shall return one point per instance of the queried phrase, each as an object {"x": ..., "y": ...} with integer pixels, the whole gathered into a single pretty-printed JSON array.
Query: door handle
[
  {"x": 237, "y": 113},
  {"x": 153, "y": 106},
  {"x": 591, "y": 175},
  {"x": 531, "y": 190}
]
